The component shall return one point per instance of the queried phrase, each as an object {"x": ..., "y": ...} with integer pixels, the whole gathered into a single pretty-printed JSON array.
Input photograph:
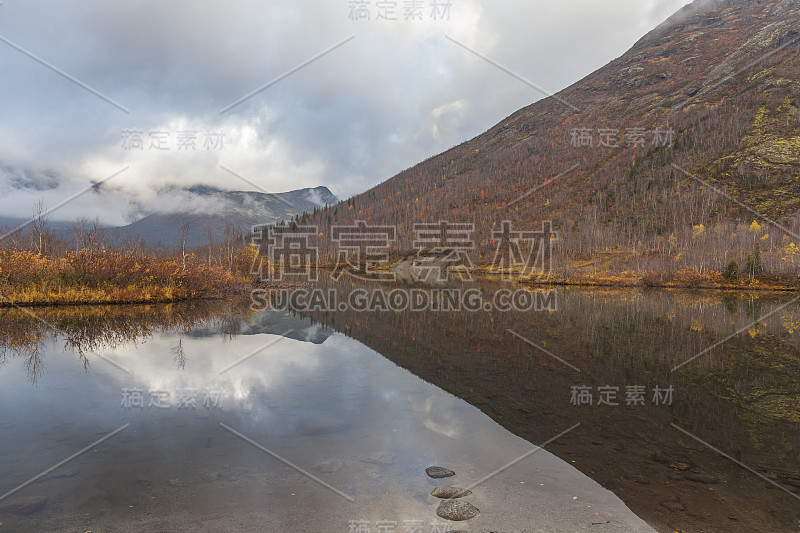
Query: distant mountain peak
[{"x": 209, "y": 209}]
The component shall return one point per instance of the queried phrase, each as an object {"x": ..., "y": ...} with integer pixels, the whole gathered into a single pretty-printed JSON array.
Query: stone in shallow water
[
  {"x": 457, "y": 510},
  {"x": 450, "y": 492},
  {"x": 330, "y": 466},
  {"x": 23, "y": 506},
  {"x": 437, "y": 472},
  {"x": 61, "y": 473}
]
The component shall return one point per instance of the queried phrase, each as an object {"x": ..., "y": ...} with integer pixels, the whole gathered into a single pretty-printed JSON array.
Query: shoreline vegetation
[
  {"x": 88, "y": 267},
  {"x": 39, "y": 267},
  {"x": 102, "y": 277},
  {"x": 671, "y": 281},
  {"x": 115, "y": 276}
]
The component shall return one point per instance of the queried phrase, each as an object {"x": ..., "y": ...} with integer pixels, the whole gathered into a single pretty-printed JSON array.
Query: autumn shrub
[
  {"x": 244, "y": 261},
  {"x": 24, "y": 268},
  {"x": 109, "y": 275},
  {"x": 693, "y": 277},
  {"x": 652, "y": 279}
]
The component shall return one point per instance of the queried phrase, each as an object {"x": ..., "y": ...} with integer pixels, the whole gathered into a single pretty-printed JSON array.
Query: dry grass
[{"x": 104, "y": 276}]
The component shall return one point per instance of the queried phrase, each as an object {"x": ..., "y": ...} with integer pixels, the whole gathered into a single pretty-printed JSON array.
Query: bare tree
[
  {"x": 230, "y": 238},
  {"x": 184, "y": 234},
  {"x": 85, "y": 232},
  {"x": 39, "y": 226}
]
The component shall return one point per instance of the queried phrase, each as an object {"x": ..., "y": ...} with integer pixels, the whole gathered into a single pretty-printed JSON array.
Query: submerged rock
[
  {"x": 457, "y": 510},
  {"x": 23, "y": 506},
  {"x": 450, "y": 492},
  {"x": 437, "y": 472},
  {"x": 61, "y": 473},
  {"x": 330, "y": 466}
]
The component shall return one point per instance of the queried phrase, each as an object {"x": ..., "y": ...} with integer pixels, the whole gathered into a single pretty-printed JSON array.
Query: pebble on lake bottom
[
  {"x": 457, "y": 510},
  {"x": 437, "y": 472},
  {"x": 450, "y": 492},
  {"x": 330, "y": 466},
  {"x": 23, "y": 506}
]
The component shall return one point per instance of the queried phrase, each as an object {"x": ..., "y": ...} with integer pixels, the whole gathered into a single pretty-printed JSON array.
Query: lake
[{"x": 654, "y": 409}]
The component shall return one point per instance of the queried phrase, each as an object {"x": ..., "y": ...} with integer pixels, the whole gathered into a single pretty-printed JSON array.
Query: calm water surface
[{"x": 228, "y": 419}]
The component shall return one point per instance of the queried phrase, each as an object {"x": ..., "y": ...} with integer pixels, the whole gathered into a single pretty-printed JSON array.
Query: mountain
[
  {"x": 212, "y": 210},
  {"x": 275, "y": 322},
  {"x": 659, "y": 160},
  {"x": 58, "y": 226}
]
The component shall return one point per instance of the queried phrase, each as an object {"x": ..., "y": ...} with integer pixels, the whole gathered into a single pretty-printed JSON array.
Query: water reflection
[
  {"x": 321, "y": 401},
  {"x": 312, "y": 389},
  {"x": 84, "y": 329},
  {"x": 740, "y": 396}
]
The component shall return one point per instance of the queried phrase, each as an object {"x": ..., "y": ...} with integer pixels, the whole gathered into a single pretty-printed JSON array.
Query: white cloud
[
  {"x": 444, "y": 122},
  {"x": 397, "y": 93}
]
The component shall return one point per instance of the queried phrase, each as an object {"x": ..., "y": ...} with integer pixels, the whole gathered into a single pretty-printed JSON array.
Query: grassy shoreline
[
  {"x": 611, "y": 280},
  {"x": 6, "y": 302},
  {"x": 120, "y": 278},
  {"x": 114, "y": 277}
]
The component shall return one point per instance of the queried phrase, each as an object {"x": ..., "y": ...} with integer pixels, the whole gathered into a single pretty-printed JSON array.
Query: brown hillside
[{"x": 724, "y": 76}]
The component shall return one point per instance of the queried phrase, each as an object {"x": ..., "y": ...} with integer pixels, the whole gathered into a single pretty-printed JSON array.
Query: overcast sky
[{"x": 396, "y": 93}]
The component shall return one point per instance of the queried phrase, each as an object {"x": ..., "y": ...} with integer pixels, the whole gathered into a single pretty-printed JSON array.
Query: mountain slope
[{"x": 723, "y": 75}]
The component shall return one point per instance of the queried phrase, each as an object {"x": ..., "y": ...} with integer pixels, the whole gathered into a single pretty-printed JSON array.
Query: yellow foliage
[
  {"x": 790, "y": 325},
  {"x": 791, "y": 252}
]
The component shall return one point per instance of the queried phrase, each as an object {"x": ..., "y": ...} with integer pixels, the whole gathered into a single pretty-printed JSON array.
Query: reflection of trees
[
  {"x": 179, "y": 356},
  {"x": 743, "y": 396},
  {"x": 87, "y": 329},
  {"x": 231, "y": 324},
  {"x": 34, "y": 364}
]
